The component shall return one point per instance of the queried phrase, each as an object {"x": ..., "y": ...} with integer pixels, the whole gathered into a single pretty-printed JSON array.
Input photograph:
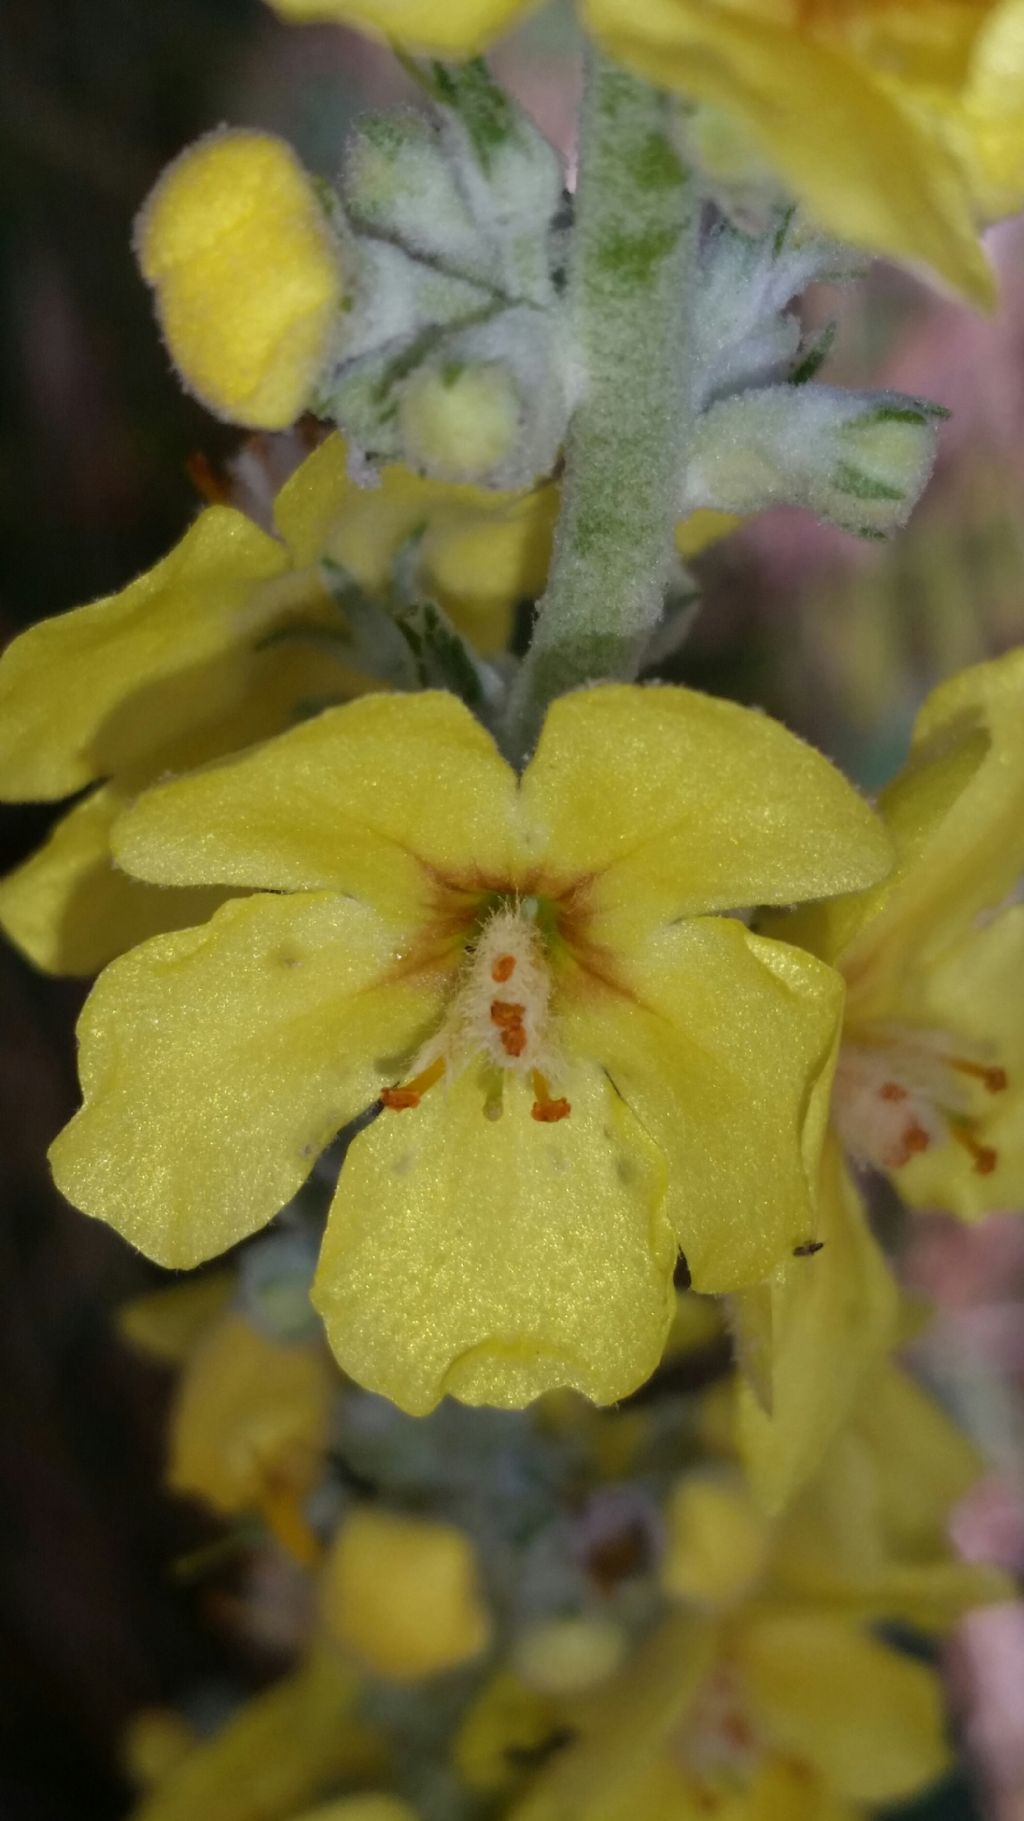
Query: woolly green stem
[{"x": 633, "y": 249}]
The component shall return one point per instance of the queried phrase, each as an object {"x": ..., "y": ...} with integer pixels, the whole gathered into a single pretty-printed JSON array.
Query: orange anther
[
  {"x": 410, "y": 1093},
  {"x": 503, "y": 967},
  {"x": 915, "y": 1139},
  {"x": 993, "y": 1080},
  {"x": 544, "y": 1108},
  {"x": 891, "y": 1090},
  {"x": 984, "y": 1155},
  {"x": 506, "y": 1016},
  {"x": 209, "y": 485},
  {"x": 513, "y": 1040}
]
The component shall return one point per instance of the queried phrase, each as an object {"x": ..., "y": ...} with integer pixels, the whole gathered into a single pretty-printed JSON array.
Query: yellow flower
[
  {"x": 931, "y": 1071},
  {"x": 246, "y": 273},
  {"x": 250, "y": 1423},
  {"x": 279, "y": 1753},
  {"x": 775, "y": 1703},
  {"x": 583, "y": 1066},
  {"x": 217, "y": 646},
  {"x": 900, "y": 127},
  {"x": 402, "y": 1595}
]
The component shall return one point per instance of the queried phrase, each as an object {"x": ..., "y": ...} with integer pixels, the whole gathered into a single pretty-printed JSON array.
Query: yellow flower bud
[
  {"x": 365, "y": 1807},
  {"x": 566, "y": 1656},
  {"x": 239, "y": 253},
  {"x": 458, "y": 28},
  {"x": 459, "y": 424},
  {"x": 717, "y": 1543},
  {"x": 402, "y": 1595}
]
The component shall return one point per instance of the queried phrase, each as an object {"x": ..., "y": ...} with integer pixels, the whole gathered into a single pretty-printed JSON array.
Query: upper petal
[
  {"x": 722, "y": 1045},
  {"x": 680, "y": 804},
  {"x": 217, "y": 1063},
  {"x": 460, "y": 28},
  {"x": 497, "y": 1259},
  {"x": 378, "y": 798},
  {"x": 93, "y": 691},
  {"x": 870, "y": 165}
]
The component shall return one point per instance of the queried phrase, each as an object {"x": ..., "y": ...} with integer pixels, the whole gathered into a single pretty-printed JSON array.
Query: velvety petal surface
[
  {"x": 497, "y": 1259},
  {"x": 870, "y": 166},
  {"x": 721, "y": 1044},
  {"x": 674, "y": 803},
  {"x": 71, "y": 910},
  {"x": 868, "y": 1718},
  {"x": 217, "y": 1063},
  {"x": 830, "y": 1318},
  {"x": 383, "y": 798},
  {"x": 92, "y": 691}
]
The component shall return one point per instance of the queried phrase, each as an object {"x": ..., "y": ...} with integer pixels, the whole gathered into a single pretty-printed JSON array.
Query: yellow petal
[
  {"x": 402, "y": 1594},
  {"x": 833, "y": 1315},
  {"x": 96, "y": 690},
  {"x": 277, "y": 1754},
  {"x": 497, "y": 1259},
  {"x": 970, "y": 991},
  {"x": 376, "y": 798},
  {"x": 681, "y": 804},
  {"x": 71, "y": 910},
  {"x": 371, "y": 1807},
  {"x": 869, "y": 1719},
  {"x": 477, "y": 551},
  {"x": 217, "y": 1063},
  {"x": 870, "y": 168},
  {"x": 251, "y": 1414},
  {"x": 989, "y": 125},
  {"x": 508, "y": 1724},
  {"x": 954, "y": 816},
  {"x": 722, "y": 1045},
  {"x": 167, "y": 1324},
  {"x": 628, "y": 1726},
  {"x": 702, "y": 528},
  {"x": 246, "y": 273},
  {"x": 459, "y": 28}
]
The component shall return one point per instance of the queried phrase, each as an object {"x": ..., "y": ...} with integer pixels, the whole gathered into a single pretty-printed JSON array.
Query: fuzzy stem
[{"x": 633, "y": 251}]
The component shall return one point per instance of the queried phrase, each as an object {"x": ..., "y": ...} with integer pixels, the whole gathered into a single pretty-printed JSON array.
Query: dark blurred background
[{"x": 95, "y": 436}]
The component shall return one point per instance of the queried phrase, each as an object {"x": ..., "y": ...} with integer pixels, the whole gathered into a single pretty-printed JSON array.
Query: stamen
[
  {"x": 506, "y": 1015},
  {"x": 411, "y": 1092},
  {"x": 547, "y": 1110},
  {"x": 985, "y": 1155},
  {"x": 513, "y": 1041},
  {"x": 913, "y": 1139},
  {"x": 502, "y": 968},
  {"x": 992, "y": 1079},
  {"x": 891, "y": 1090}
]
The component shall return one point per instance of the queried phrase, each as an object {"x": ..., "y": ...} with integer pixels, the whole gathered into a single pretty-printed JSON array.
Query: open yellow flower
[
  {"x": 931, "y": 1072},
  {"x": 900, "y": 127},
  {"x": 583, "y": 1066},
  {"x": 220, "y": 644},
  {"x": 769, "y": 1700}
]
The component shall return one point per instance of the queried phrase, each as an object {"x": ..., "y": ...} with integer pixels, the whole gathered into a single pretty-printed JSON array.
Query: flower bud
[
  {"x": 459, "y": 28},
  {"x": 566, "y": 1656},
  {"x": 717, "y": 1544},
  {"x": 245, "y": 270},
  {"x": 401, "y": 1594},
  {"x": 460, "y": 423}
]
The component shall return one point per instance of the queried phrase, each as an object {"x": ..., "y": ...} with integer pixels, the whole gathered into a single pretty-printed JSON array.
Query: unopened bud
[
  {"x": 245, "y": 270},
  {"x": 717, "y": 1542},
  {"x": 459, "y": 423},
  {"x": 402, "y": 1595},
  {"x": 566, "y": 1656}
]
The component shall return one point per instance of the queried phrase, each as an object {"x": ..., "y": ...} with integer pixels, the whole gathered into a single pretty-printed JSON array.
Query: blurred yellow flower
[
  {"x": 217, "y": 646},
  {"x": 279, "y": 1753},
  {"x": 246, "y": 273},
  {"x": 931, "y": 1072},
  {"x": 583, "y": 1065},
  {"x": 773, "y": 1702},
  {"x": 402, "y": 1595},
  {"x": 456, "y": 28}
]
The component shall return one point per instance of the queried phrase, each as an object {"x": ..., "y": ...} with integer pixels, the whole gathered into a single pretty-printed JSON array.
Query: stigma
[
  {"x": 900, "y": 1091},
  {"x": 499, "y": 1014}
]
